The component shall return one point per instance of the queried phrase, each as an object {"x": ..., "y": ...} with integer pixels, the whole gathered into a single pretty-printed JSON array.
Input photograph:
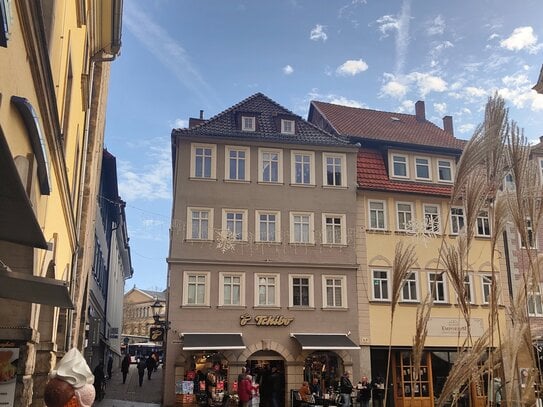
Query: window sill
[
  {"x": 344, "y": 187},
  {"x": 238, "y": 307},
  {"x": 447, "y": 304},
  {"x": 199, "y": 240},
  {"x": 270, "y": 183},
  {"x": 262, "y": 242},
  {"x": 301, "y": 244},
  {"x": 237, "y": 181},
  {"x": 404, "y": 232},
  {"x": 485, "y": 237},
  {"x": 303, "y": 185},
  {"x": 201, "y": 306},
  {"x": 379, "y": 231},
  {"x": 443, "y": 181},
  {"x": 340, "y": 309},
  {"x": 261, "y": 307},
  {"x": 202, "y": 179},
  {"x": 378, "y": 301},
  {"x": 411, "y": 302},
  {"x": 332, "y": 245},
  {"x": 300, "y": 308}
]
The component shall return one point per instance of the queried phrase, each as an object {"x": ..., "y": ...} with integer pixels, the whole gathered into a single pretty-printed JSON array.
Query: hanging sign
[{"x": 156, "y": 334}]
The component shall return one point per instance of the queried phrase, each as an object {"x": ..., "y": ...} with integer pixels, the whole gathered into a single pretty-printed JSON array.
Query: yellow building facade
[{"x": 54, "y": 72}]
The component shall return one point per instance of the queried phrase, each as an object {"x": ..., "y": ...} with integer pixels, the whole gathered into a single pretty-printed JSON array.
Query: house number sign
[{"x": 265, "y": 320}]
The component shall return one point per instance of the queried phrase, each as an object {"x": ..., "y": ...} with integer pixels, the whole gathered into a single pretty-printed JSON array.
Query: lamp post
[{"x": 157, "y": 306}]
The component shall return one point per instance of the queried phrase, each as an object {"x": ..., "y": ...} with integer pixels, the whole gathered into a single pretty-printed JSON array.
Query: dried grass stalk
[{"x": 421, "y": 331}]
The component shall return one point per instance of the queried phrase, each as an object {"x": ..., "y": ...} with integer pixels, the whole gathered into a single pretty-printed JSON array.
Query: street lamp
[{"x": 157, "y": 306}]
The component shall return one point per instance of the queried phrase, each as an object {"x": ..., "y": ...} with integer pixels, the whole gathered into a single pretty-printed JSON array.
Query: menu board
[{"x": 9, "y": 358}]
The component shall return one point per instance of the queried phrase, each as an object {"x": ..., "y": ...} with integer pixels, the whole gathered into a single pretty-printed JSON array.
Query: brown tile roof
[
  {"x": 385, "y": 126},
  {"x": 372, "y": 175}
]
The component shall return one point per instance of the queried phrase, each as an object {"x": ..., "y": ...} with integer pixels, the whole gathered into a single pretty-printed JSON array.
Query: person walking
[
  {"x": 364, "y": 392},
  {"x": 245, "y": 390},
  {"x": 276, "y": 387},
  {"x": 99, "y": 378},
  {"x": 109, "y": 366},
  {"x": 345, "y": 389},
  {"x": 125, "y": 366},
  {"x": 378, "y": 391},
  {"x": 150, "y": 364},
  {"x": 141, "y": 370}
]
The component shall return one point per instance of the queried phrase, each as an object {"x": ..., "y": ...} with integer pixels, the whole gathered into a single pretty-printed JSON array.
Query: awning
[
  {"x": 18, "y": 223},
  {"x": 324, "y": 341},
  {"x": 39, "y": 290},
  {"x": 212, "y": 341}
]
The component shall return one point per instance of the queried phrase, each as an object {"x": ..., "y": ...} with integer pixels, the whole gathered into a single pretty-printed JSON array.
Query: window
[
  {"x": 437, "y": 286},
  {"x": 270, "y": 166},
  {"x": 334, "y": 166},
  {"x": 301, "y": 291},
  {"x": 301, "y": 228},
  {"x": 334, "y": 294},
  {"x": 203, "y": 161},
  {"x": 404, "y": 211},
  {"x": 431, "y": 218},
  {"x": 232, "y": 291},
  {"x": 483, "y": 224},
  {"x": 399, "y": 166},
  {"x": 457, "y": 220},
  {"x": 444, "y": 170},
  {"x": 535, "y": 307},
  {"x": 303, "y": 168},
  {"x": 248, "y": 123},
  {"x": 268, "y": 226},
  {"x": 333, "y": 229},
  {"x": 540, "y": 160},
  {"x": 287, "y": 126},
  {"x": 377, "y": 214},
  {"x": 196, "y": 288},
  {"x": 468, "y": 289},
  {"x": 380, "y": 285},
  {"x": 267, "y": 287},
  {"x": 486, "y": 285},
  {"x": 237, "y": 163},
  {"x": 235, "y": 223},
  {"x": 5, "y": 22},
  {"x": 410, "y": 288},
  {"x": 422, "y": 168},
  {"x": 200, "y": 223},
  {"x": 509, "y": 182},
  {"x": 529, "y": 236}
]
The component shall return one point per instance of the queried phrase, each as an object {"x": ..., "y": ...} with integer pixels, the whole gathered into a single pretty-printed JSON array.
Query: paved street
[{"x": 130, "y": 394}]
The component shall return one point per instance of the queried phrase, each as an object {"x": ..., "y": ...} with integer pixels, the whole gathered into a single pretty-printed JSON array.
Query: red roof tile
[{"x": 372, "y": 175}]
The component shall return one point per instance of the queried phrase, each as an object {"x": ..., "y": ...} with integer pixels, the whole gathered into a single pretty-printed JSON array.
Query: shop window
[
  {"x": 438, "y": 287},
  {"x": 203, "y": 161},
  {"x": 410, "y": 383},
  {"x": 334, "y": 166},
  {"x": 301, "y": 291},
  {"x": 334, "y": 292},
  {"x": 457, "y": 220},
  {"x": 303, "y": 168},
  {"x": 267, "y": 289},
  {"x": 270, "y": 166},
  {"x": 237, "y": 163},
  {"x": 377, "y": 214},
  {"x": 325, "y": 367},
  {"x": 381, "y": 285}
]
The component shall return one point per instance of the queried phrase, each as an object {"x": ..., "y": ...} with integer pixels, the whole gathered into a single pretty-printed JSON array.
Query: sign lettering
[{"x": 265, "y": 320}]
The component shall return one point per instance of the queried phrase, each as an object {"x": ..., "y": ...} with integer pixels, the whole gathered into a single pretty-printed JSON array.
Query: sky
[{"x": 182, "y": 56}]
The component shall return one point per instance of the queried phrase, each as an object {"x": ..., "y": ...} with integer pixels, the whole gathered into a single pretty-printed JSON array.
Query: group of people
[
  {"x": 266, "y": 385},
  {"x": 150, "y": 364}
]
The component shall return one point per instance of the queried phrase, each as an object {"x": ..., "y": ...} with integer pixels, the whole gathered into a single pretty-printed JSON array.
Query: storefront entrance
[
  {"x": 326, "y": 367},
  {"x": 268, "y": 370}
]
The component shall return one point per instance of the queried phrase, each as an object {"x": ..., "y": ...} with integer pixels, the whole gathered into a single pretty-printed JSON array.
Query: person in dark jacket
[
  {"x": 125, "y": 366},
  {"x": 276, "y": 384},
  {"x": 141, "y": 370},
  {"x": 109, "y": 366},
  {"x": 378, "y": 391},
  {"x": 345, "y": 388},
  {"x": 150, "y": 364},
  {"x": 364, "y": 392},
  {"x": 99, "y": 378}
]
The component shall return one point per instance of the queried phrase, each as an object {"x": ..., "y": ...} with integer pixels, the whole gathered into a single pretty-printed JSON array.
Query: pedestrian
[
  {"x": 150, "y": 364},
  {"x": 378, "y": 391},
  {"x": 364, "y": 392},
  {"x": 245, "y": 390},
  {"x": 99, "y": 378},
  {"x": 141, "y": 370},
  {"x": 276, "y": 387},
  {"x": 305, "y": 392},
  {"x": 345, "y": 389},
  {"x": 155, "y": 357},
  {"x": 125, "y": 366},
  {"x": 109, "y": 366},
  {"x": 315, "y": 388}
]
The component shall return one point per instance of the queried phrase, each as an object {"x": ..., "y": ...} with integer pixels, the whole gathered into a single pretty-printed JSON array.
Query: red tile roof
[
  {"x": 385, "y": 126},
  {"x": 372, "y": 175}
]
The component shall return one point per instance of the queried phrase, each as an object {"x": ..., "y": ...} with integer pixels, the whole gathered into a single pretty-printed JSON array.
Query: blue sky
[{"x": 180, "y": 56}]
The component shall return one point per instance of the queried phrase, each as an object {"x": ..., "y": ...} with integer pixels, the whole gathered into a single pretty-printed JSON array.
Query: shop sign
[
  {"x": 156, "y": 334},
  {"x": 9, "y": 358},
  {"x": 265, "y": 320},
  {"x": 454, "y": 327}
]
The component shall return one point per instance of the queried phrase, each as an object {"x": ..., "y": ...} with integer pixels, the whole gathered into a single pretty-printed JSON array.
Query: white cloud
[
  {"x": 427, "y": 83},
  {"x": 332, "y": 98},
  {"x": 179, "y": 124},
  {"x": 466, "y": 128},
  {"x": 287, "y": 69},
  {"x": 518, "y": 92},
  {"x": 493, "y": 36},
  {"x": 397, "y": 86},
  {"x": 516, "y": 80},
  {"x": 440, "y": 108},
  {"x": 352, "y": 67},
  {"x": 522, "y": 38},
  {"x": 318, "y": 34},
  {"x": 437, "y": 26},
  {"x": 474, "y": 92},
  {"x": 407, "y": 106},
  {"x": 400, "y": 26},
  {"x": 388, "y": 23},
  {"x": 394, "y": 87}
]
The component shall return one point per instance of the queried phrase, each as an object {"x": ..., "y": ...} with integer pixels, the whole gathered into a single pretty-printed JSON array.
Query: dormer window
[
  {"x": 287, "y": 126},
  {"x": 248, "y": 123},
  {"x": 399, "y": 166}
]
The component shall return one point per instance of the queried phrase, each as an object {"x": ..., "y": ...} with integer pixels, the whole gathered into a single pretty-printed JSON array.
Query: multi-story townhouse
[
  {"x": 262, "y": 264},
  {"x": 406, "y": 168},
  {"x": 138, "y": 313},
  {"x": 53, "y": 85},
  {"x": 111, "y": 267}
]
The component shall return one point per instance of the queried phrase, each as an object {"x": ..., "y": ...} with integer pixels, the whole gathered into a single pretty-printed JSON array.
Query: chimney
[
  {"x": 448, "y": 125},
  {"x": 201, "y": 115},
  {"x": 541, "y": 139},
  {"x": 193, "y": 122},
  {"x": 420, "y": 112}
]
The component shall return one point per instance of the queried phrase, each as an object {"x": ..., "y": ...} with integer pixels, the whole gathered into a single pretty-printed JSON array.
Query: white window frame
[
  {"x": 186, "y": 275},
  {"x": 213, "y": 147},
  {"x": 471, "y": 299},
  {"x": 408, "y": 281},
  {"x": 279, "y": 152},
  {"x": 412, "y": 212},
  {"x": 343, "y": 165},
  {"x": 384, "y": 211},
  {"x": 444, "y": 281},
  {"x": 538, "y": 306},
  {"x": 277, "y": 296},
  {"x": 428, "y": 166},
  {"x": 244, "y": 225},
  {"x": 284, "y": 129},
  {"x": 388, "y": 284},
  {"x": 191, "y": 209},
  {"x": 311, "y": 155},
  {"x": 438, "y": 207},
  {"x": 222, "y": 276},
  {"x": 311, "y": 227},
  {"x": 455, "y": 220},
  {"x": 529, "y": 229},
  {"x": 393, "y": 169},
  {"x": 343, "y": 279},
  {"x": 245, "y": 121},
  {"x": 486, "y": 281},
  {"x": 540, "y": 162},
  {"x": 483, "y": 214},
  {"x": 451, "y": 167},
  {"x": 311, "y": 288},
  {"x": 247, "y": 160},
  {"x": 277, "y": 225},
  {"x": 343, "y": 229}
]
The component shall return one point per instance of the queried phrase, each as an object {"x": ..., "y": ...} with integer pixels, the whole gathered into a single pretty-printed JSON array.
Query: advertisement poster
[{"x": 8, "y": 372}]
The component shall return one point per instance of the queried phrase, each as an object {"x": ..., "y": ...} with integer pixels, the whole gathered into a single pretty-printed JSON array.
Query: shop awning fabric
[
  {"x": 212, "y": 341},
  {"x": 324, "y": 341}
]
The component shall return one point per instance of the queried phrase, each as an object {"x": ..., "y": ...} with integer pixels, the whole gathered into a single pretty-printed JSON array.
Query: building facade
[
  {"x": 262, "y": 264},
  {"x": 138, "y": 313},
  {"x": 54, "y": 74}
]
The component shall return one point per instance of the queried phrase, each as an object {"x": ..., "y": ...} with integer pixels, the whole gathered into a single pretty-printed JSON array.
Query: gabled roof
[
  {"x": 384, "y": 126},
  {"x": 538, "y": 87},
  {"x": 161, "y": 295},
  {"x": 372, "y": 175},
  {"x": 267, "y": 113}
]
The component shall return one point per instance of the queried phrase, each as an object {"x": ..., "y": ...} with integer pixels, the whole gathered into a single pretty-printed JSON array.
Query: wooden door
[{"x": 412, "y": 389}]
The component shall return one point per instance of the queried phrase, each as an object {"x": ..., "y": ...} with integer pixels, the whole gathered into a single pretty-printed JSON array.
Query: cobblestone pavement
[{"x": 131, "y": 394}]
